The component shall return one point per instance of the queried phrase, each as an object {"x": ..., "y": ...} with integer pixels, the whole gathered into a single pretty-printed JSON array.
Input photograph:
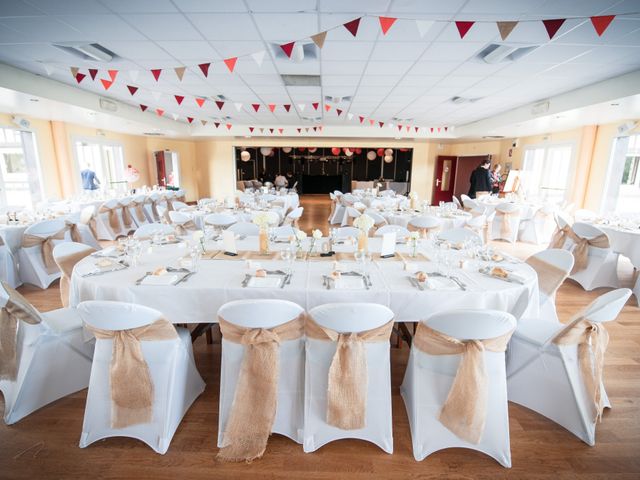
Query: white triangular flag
[
  {"x": 133, "y": 74},
  {"x": 350, "y": 116},
  {"x": 258, "y": 57},
  {"x": 301, "y": 107},
  {"x": 48, "y": 68},
  {"x": 238, "y": 106},
  {"x": 156, "y": 95},
  {"x": 424, "y": 26},
  {"x": 175, "y": 116}
]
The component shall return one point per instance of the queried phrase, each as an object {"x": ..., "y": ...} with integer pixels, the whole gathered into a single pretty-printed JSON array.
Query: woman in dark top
[{"x": 480, "y": 179}]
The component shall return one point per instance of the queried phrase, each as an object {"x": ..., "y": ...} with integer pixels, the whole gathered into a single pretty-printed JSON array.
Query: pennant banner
[
  {"x": 386, "y": 23},
  {"x": 601, "y": 23},
  {"x": 319, "y": 39},
  {"x": 505, "y": 28},
  {"x": 552, "y": 26},
  {"x": 180, "y": 72},
  {"x": 353, "y": 26}
]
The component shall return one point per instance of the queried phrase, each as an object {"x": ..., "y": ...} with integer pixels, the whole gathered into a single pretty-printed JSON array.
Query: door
[
  {"x": 445, "y": 173},
  {"x": 160, "y": 168}
]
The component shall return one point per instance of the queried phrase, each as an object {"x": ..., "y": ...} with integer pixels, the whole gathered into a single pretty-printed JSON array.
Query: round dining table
[
  {"x": 456, "y": 219},
  {"x": 220, "y": 278}
]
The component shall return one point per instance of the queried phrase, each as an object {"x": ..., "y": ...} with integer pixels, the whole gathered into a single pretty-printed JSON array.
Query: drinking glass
[{"x": 288, "y": 256}]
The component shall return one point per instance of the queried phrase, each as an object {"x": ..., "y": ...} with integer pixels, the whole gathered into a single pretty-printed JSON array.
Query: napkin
[
  {"x": 160, "y": 279},
  {"x": 273, "y": 281},
  {"x": 349, "y": 283}
]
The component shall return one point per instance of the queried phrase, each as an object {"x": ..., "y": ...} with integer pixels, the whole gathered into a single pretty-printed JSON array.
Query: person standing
[
  {"x": 280, "y": 181},
  {"x": 480, "y": 181},
  {"x": 496, "y": 178},
  {"x": 90, "y": 181}
]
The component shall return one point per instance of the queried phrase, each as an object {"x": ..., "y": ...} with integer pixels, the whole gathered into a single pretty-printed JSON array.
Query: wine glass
[{"x": 288, "y": 256}]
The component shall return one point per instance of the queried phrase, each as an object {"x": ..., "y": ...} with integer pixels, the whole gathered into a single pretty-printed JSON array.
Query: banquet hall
[{"x": 320, "y": 239}]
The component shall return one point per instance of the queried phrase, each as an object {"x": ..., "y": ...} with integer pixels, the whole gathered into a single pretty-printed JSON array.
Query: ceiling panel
[{"x": 138, "y": 6}]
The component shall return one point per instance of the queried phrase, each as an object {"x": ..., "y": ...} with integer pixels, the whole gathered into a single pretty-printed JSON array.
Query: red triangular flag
[
  {"x": 431, "y": 129},
  {"x": 156, "y": 73},
  {"x": 205, "y": 68},
  {"x": 416, "y": 129},
  {"x": 287, "y": 107},
  {"x": 217, "y": 124},
  {"x": 281, "y": 130},
  {"x": 190, "y": 119},
  {"x": 299, "y": 130},
  {"x": 381, "y": 124},
  {"x": 439, "y": 129},
  {"x": 408, "y": 128},
  {"x": 352, "y": 26},
  {"x": 106, "y": 83},
  {"x": 93, "y": 72},
  {"x": 272, "y": 107},
  {"x": 231, "y": 63},
  {"x": 327, "y": 107},
  {"x": 552, "y": 26},
  {"x": 315, "y": 105},
  {"x": 315, "y": 129},
  {"x": 339, "y": 111},
  {"x": 179, "y": 98},
  {"x": 386, "y": 23},
  {"x": 446, "y": 128},
  {"x": 159, "y": 111},
  {"x": 80, "y": 77},
  {"x": 399, "y": 127},
  {"x": 256, "y": 107},
  {"x": 361, "y": 118},
  {"x": 371, "y": 121},
  {"x": 229, "y": 126},
  {"x": 271, "y": 130},
  {"x": 287, "y": 48},
  {"x": 600, "y": 23},
  {"x": 132, "y": 89},
  {"x": 320, "y": 127},
  {"x": 143, "y": 107},
  {"x": 219, "y": 104},
  {"x": 113, "y": 74},
  {"x": 251, "y": 129},
  {"x": 200, "y": 101},
  {"x": 463, "y": 27},
  {"x": 203, "y": 122}
]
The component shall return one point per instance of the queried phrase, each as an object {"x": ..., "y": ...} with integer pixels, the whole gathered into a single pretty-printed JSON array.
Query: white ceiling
[{"x": 398, "y": 75}]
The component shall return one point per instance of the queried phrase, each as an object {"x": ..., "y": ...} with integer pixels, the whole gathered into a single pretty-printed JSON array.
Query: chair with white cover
[
  {"x": 182, "y": 223},
  {"x": 46, "y": 360},
  {"x": 563, "y": 223},
  {"x": 109, "y": 221},
  {"x": 137, "y": 209},
  {"x": 469, "y": 203},
  {"x": 457, "y": 203},
  {"x": 595, "y": 261},
  {"x": 87, "y": 226},
  {"x": 347, "y": 375},
  {"x": 538, "y": 227},
  {"x": 178, "y": 205},
  {"x": 425, "y": 224},
  {"x": 8, "y": 266},
  {"x": 143, "y": 377},
  {"x": 378, "y": 220},
  {"x": 220, "y": 220},
  {"x": 337, "y": 208},
  {"x": 454, "y": 388},
  {"x": 401, "y": 232},
  {"x": 66, "y": 255},
  {"x": 460, "y": 235},
  {"x": 293, "y": 217},
  {"x": 151, "y": 207},
  {"x": 479, "y": 225},
  {"x": 350, "y": 215},
  {"x": 35, "y": 257},
  {"x": 148, "y": 230},
  {"x": 505, "y": 223},
  {"x": 552, "y": 267},
  {"x": 555, "y": 369},
  {"x": 344, "y": 232},
  {"x": 245, "y": 228},
  {"x": 126, "y": 215},
  {"x": 261, "y": 376}
]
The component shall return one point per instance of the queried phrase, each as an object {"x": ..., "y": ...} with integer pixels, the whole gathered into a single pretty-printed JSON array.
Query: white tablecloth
[
  {"x": 448, "y": 222},
  {"x": 624, "y": 241},
  {"x": 219, "y": 281}
]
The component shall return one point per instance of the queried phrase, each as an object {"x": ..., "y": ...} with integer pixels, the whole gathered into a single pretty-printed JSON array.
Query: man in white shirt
[{"x": 280, "y": 181}]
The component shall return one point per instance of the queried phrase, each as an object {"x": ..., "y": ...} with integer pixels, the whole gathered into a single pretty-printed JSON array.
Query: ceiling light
[
  {"x": 499, "y": 54},
  {"x": 502, "y": 53},
  {"x": 87, "y": 51},
  {"x": 34, "y": 100},
  {"x": 301, "y": 80}
]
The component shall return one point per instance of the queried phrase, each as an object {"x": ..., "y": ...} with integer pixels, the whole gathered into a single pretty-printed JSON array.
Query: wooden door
[
  {"x": 444, "y": 179},
  {"x": 160, "y": 169}
]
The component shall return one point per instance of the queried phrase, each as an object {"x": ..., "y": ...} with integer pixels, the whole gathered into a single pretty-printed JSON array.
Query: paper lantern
[
  {"x": 301, "y": 149},
  {"x": 132, "y": 174},
  {"x": 388, "y": 159},
  {"x": 381, "y": 152},
  {"x": 358, "y": 151},
  {"x": 245, "y": 156},
  {"x": 266, "y": 151},
  {"x": 287, "y": 149},
  {"x": 272, "y": 153},
  {"x": 313, "y": 149},
  {"x": 348, "y": 152},
  {"x": 371, "y": 155},
  {"x": 335, "y": 150},
  {"x": 388, "y": 151}
]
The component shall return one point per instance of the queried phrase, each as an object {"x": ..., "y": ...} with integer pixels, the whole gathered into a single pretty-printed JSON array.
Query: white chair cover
[
  {"x": 602, "y": 263},
  {"x": 53, "y": 361},
  {"x": 31, "y": 265},
  {"x": 546, "y": 378},
  {"x": 103, "y": 227},
  {"x": 8, "y": 266},
  {"x": 428, "y": 380},
  {"x": 509, "y": 213},
  {"x": 344, "y": 318},
  {"x": 176, "y": 381}
]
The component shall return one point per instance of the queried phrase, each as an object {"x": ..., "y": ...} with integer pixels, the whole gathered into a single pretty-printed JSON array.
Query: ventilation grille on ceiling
[
  {"x": 301, "y": 52},
  {"x": 332, "y": 99},
  {"x": 301, "y": 80},
  {"x": 503, "y": 53},
  {"x": 87, "y": 51}
]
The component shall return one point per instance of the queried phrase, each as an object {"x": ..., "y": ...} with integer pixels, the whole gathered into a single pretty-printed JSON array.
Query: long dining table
[{"x": 222, "y": 279}]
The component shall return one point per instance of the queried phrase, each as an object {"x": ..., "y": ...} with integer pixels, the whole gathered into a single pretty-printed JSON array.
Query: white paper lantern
[
  {"x": 348, "y": 152},
  {"x": 388, "y": 159},
  {"x": 265, "y": 151},
  {"x": 388, "y": 151},
  {"x": 245, "y": 156},
  {"x": 313, "y": 149},
  {"x": 371, "y": 155},
  {"x": 287, "y": 149}
]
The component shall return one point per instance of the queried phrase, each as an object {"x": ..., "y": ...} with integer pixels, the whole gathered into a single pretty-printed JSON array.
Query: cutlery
[
  {"x": 416, "y": 284},
  {"x": 459, "y": 283},
  {"x": 178, "y": 270},
  {"x": 139, "y": 281},
  {"x": 102, "y": 272},
  {"x": 288, "y": 279},
  {"x": 185, "y": 278},
  {"x": 245, "y": 282}
]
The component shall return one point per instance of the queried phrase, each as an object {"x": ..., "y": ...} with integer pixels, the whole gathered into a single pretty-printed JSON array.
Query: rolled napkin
[
  {"x": 16, "y": 309},
  {"x": 131, "y": 387},
  {"x": 254, "y": 404},
  {"x": 348, "y": 378},
  {"x": 464, "y": 412}
]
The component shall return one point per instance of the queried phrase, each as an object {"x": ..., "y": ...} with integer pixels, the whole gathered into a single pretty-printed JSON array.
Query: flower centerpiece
[
  {"x": 364, "y": 223},
  {"x": 262, "y": 221},
  {"x": 413, "y": 243},
  {"x": 297, "y": 240},
  {"x": 198, "y": 237},
  {"x": 315, "y": 236}
]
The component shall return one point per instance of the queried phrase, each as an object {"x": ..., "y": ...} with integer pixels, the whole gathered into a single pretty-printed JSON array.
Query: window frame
[
  {"x": 102, "y": 142},
  {"x": 546, "y": 146}
]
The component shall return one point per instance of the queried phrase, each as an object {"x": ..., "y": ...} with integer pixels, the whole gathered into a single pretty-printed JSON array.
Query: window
[
  {"x": 630, "y": 171},
  {"x": 545, "y": 172},
  {"x": 623, "y": 185},
  {"x": 106, "y": 160},
  {"x": 20, "y": 184}
]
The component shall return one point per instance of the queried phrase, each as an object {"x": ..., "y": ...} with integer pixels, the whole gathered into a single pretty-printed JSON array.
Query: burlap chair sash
[
  {"x": 29, "y": 240},
  {"x": 581, "y": 249},
  {"x": 169, "y": 203},
  {"x": 253, "y": 410},
  {"x": 114, "y": 221},
  {"x": 91, "y": 223},
  {"x": 465, "y": 410},
  {"x": 127, "y": 219},
  {"x": 185, "y": 228},
  {"x": 505, "y": 226},
  {"x": 138, "y": 208},
  {"x": 131, "y": 387},
  {"x": 592, "y": 339},
  {"x": 348, "y": 379},
  {"x": 550, "y": 277},
  {"x": 66, "y": 264},
  {"x": 16, "y": 309},
  {"x": 76, "y": 236},
  {"x": 154, "y": 209}
]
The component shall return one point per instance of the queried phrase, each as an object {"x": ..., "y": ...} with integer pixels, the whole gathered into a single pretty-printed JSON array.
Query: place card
[
  {"x": 388, "y": 248},
  {"x": 229, "y": 242}
]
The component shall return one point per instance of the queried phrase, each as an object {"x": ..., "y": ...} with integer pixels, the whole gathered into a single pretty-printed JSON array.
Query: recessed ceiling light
[
  {"x": 614, "y": 104},
  {"x": 34, "y": 100}
]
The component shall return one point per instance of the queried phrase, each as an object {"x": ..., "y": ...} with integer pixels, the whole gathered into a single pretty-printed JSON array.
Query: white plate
[
  {"x": 159, "y": 279},
  {"x": 270, "y": 281},
  {"x": 349, "y": 283}
]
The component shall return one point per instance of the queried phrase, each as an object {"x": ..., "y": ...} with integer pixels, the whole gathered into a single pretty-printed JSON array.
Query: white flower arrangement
[
  {"x": 198, "y": 236},
  {"x": 413, "y": 195},
  {"x": 261, "y": 219},
  {"x": 300, "y": 235},
  {"x": 364, "y": 222},
  {"x": 414, "y": 236},
  {"x": 317, "y": 234}
]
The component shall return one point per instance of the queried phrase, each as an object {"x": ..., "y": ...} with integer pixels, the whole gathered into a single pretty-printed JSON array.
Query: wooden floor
[{"x": 45, "y": 444}]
